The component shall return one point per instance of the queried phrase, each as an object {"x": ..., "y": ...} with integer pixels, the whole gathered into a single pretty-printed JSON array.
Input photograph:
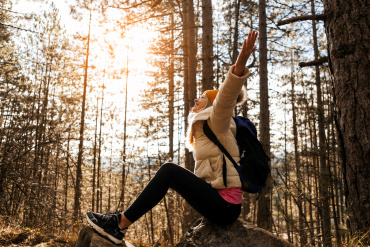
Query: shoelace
[
  {"x": 116, "y": 212},
  {"x": 106, "y": 217}
]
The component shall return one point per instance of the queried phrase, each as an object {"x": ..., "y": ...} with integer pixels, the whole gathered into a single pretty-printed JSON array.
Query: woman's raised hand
[{"x": 247, "y": 49}]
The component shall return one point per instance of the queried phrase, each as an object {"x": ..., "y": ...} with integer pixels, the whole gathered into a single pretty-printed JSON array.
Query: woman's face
[{"x": 200, "y": 103}]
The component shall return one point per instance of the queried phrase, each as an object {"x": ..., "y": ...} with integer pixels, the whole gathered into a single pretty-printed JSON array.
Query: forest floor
[{"x": 12, "y": 234}]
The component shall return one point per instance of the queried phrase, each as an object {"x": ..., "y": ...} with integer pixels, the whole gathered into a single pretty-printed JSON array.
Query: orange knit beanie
[{"x": 211, "y": 94}]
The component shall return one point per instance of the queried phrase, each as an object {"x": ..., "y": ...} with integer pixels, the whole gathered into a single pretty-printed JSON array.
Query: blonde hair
[
  {"x": 190, "y": 143},
  {"x": 190, "y": 136}
]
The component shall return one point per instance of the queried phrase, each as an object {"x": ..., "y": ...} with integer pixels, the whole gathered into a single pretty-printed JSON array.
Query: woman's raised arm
[{"x": 225, "y": 101}]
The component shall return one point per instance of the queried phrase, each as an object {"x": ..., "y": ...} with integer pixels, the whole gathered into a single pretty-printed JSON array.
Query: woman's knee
[
  {"x": 166, "y": 171},
  {"x": 168, "y": 166}
]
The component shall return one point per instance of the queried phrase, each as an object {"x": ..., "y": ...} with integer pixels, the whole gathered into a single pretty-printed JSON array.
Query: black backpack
[{"x": 253, "y": 170}]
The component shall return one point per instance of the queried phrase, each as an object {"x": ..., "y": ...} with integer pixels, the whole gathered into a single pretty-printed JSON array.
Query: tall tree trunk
[
  {"x": 190, "y": 66},
  {"x": 185, "y": 28},
  {"x": 171, "y": 96},
  {"x": 186, "y": 40},
  {"x": 347, "y": 30},
  {"x": 100, "y": 174},
  {"x": 324, "y": 168},
  {"x": 66, "y": 178},
  {"x": 313, "y": 136},
  {"x": 110, "y": 174},
  {"x": 94, "y": 161},
  {"x": 37, "y": 162},
  {"x": 207, "y": 45},
  {"x": 150, "y": 177},
  {"x": 189, "y": 213},
  {"x": 309, "y": 169},
  {"x": 287, "y": 174},
  {"x": 236, "y": 32},
  {"x": 264, "y": 217},
  {"x": 77, "y": 206},
  {"x": 122, "y": 198},
  {"x": 168, "y": 217},
  {"x": 192, "y": 53},
  {"x": 302, "y": 235},
  {"x": 331, "y": 160}
]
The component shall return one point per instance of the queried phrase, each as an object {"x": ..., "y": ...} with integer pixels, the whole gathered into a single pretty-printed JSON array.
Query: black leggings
[{"x": 198, "y": 193}]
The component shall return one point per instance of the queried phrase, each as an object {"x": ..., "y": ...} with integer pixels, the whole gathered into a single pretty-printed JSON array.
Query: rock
[
  {"x": 239, "y": 234},
  {"x": 89, "y": 238}
]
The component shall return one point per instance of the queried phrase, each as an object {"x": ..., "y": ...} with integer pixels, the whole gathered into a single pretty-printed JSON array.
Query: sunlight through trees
[{"x": 89, "y": 111}]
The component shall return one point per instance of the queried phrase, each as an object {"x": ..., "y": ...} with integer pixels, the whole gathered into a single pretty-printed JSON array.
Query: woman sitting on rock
[{"x": 205, "y": 190}]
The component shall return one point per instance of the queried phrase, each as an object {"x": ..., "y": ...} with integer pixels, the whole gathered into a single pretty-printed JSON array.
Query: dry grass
[
  {"x": 12, "y": 234},
  {"x": 358, "y": 240}
]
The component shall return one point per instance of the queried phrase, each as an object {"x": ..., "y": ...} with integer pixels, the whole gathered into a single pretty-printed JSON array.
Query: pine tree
[
  {"x": 346, "y": 26},
  {"x": 264, "y": 218}
]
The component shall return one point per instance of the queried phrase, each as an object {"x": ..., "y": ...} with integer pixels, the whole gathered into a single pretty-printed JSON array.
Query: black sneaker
[{"x": 107, "y": 225}]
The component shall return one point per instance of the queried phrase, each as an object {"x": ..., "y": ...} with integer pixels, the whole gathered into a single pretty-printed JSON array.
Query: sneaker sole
[{"x": 102, "y": 232}]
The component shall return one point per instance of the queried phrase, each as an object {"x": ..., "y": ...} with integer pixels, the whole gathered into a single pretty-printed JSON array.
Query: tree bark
[
  {"x": 189, "y": 87},
  {"x": 190, "y": 214},
  {"x": 207, "y": 46},
  {"x": 171, "y": 96},
  {"x": 186, "y": 59},
  {"x": 264, "y": 217},
  {"x": 347, "y": 30},
  {"x": 192, "y": 52},
  {"x": 168, "y": 218}
]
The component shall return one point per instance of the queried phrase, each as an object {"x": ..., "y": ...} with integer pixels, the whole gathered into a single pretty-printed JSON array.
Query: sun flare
[{"x": 127, "y": 58}]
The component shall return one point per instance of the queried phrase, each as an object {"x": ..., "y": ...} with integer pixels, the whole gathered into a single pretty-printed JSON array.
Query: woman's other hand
[{"x": 247, "y": 49}]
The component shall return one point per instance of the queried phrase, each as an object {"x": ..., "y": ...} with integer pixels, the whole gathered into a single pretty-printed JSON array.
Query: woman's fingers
[
  {"x": 249, "y": 43},
  {"x": 252, "y": 36},
  {"x": 255, "y": 36}
]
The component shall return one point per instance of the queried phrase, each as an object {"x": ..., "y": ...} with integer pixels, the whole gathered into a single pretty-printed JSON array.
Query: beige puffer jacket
[{"x": 208, "y": 157}]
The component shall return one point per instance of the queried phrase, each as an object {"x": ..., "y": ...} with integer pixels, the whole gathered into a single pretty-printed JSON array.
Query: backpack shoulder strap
[{"x": 209, "y": 133}]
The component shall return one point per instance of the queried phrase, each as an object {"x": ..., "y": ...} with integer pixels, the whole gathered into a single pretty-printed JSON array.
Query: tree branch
[
  {"x": 6, "y": 25},
  {"x": 319, "y": 61},
  {"x": 321, "y": 17},
  {"x": 131, "y": 7},
  {"x": 144, "y": 19}
]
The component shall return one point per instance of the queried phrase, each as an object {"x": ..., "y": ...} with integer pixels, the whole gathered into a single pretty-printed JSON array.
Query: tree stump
[
  {"x": 89, "y": 238},
  {"x": 239, "y": 234}
]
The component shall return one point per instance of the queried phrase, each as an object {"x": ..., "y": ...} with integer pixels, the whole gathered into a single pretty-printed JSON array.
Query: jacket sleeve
[{"x": 225, "y": 101}]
